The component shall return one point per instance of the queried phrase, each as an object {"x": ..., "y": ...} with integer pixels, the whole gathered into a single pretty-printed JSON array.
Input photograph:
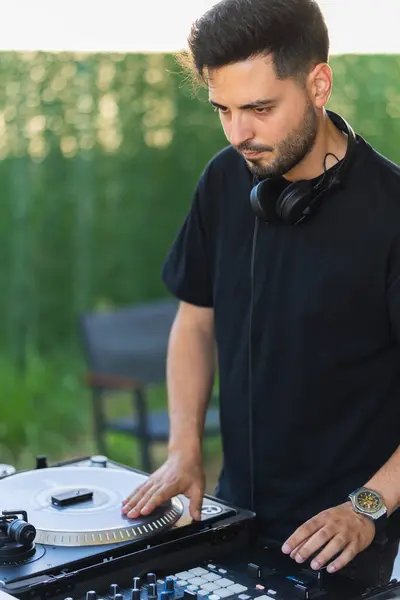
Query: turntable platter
[{"x": 97, "y": 519}]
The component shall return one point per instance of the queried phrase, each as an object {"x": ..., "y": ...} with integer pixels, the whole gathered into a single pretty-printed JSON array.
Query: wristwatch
[{"x": 370, "y": 504}]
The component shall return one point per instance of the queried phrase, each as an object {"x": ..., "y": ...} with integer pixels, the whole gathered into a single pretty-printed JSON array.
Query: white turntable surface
[{"x": 96, "y": 521}]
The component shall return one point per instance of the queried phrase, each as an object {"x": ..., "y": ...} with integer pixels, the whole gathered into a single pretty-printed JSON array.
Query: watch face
[{"x": 368, "y": 501}]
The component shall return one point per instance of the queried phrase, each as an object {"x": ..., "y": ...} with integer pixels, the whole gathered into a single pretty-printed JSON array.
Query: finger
[
  {"x": 301, "y": 534},
  {"x": 160, "y": 495},
  {"x": 314, "y": 544},
  {"x": 137, "y": 493},
  {"x": 134, "y": 509},
  {"x": 344, "y": 559},
  {"x": 297, "y": 549},
  {"x": 196, "y": 501},
  {"x": 335, "y": 546}
]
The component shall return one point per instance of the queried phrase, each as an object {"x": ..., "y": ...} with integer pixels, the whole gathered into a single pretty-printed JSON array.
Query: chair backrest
[{"x": 129, "y": 342}]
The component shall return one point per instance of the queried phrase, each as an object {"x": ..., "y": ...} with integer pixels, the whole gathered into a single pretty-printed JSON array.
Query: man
[{"x": 306, "y": 316}]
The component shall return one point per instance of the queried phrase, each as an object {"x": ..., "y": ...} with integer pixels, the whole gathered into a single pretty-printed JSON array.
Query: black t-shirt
[{"x": 325, "y": 341}]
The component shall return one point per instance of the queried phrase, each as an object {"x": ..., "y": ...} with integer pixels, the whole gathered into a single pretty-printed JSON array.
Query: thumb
[{"x": 196, "y": 501}]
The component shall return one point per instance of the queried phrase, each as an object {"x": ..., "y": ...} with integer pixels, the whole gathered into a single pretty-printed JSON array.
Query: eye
[
  {"x": 221, "y": 110},
  {"x": 263, "y": 110}
]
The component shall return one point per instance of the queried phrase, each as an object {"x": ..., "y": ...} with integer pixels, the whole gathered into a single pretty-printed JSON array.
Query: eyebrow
[{"x": 255, "y": 104}]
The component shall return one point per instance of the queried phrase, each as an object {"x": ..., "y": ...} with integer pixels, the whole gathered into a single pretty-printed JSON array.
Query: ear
[{"x": 320, "y": 84}]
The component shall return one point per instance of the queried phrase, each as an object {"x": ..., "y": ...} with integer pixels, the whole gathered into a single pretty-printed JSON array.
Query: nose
[{"x": 239, "y": 130}]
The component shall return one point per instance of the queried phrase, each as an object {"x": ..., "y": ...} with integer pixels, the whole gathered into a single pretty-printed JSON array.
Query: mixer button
[
  {"x": 210, "y": 587},
  {"x": 197, "y": 580},
  {"x": 192, "y": 588},
  {"x": 214, "y": 597},
  {"x": 211, "y": 577},
  {"x": 183, "y": 575},
  {"x": 203, "y": 593},
  {"x": 198, "y": 571},
  {"x": 223, "y": 571},
  {"x": 237, "y": 588},
  {"x": 225, "y": 582},
  {"x": 244, "y": 597},
  {"x": 223, "y": 592},
  {"x": 181, "y": 582}
]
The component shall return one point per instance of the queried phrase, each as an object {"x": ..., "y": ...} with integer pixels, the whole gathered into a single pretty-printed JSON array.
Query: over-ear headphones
[{"x": 300, "y": 199}]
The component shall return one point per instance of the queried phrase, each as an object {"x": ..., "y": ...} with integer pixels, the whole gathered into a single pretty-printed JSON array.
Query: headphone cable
[{"x": 250, "y": 399}]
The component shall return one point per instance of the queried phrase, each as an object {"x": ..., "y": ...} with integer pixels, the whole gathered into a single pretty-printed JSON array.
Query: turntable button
[
  {"x": 114, "y": 589},
  {"x": 98, "y": 461}
]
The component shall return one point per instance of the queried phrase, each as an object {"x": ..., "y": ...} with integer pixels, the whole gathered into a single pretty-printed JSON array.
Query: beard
[{"x": 289, "y": 152}]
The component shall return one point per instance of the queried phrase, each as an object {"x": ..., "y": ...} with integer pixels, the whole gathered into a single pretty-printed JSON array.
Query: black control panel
[{"x": 266, "y": 576}]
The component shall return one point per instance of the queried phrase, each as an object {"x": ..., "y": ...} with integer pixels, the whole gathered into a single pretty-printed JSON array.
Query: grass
[{"x": 47, "y": 410}]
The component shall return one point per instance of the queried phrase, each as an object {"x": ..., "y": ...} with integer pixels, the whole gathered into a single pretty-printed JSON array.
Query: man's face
[{"x": 271, "y": 122}]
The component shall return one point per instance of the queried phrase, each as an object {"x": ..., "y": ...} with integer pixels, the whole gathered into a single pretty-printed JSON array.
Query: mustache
[{"x": 248, "y": 148}]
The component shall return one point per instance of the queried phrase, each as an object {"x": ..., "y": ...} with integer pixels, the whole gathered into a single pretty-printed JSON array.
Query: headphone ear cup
[
  {"x": 292, "y": 204},
  {"x": 263, "y": 199}
]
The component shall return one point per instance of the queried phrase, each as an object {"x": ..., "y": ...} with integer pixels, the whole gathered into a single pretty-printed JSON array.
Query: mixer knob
[
  {"x": 152, "y": 591},
  {"x": 169, "y": 585},
  {"x": 118, "y": 597},
  {"x": 114, "y": 589},
  {"x": 98, "y": 461},
  {"x": 151, "y": 578},
  {"x": 135, "y": 594},
  {"x": 91, "y": 595},
  {"x": 136, "y": 583}
]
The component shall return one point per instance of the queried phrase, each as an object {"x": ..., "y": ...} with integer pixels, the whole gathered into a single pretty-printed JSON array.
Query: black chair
[{"x": 126, "y": 350}]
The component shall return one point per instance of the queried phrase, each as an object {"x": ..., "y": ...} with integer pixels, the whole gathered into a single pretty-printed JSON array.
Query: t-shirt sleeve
[
  {"x": 393, "y": 289},
  {"x": 186, "y": 271}
]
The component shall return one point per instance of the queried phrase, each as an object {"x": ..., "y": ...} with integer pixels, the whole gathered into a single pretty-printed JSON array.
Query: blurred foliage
[{"x": 99, "y": 156}]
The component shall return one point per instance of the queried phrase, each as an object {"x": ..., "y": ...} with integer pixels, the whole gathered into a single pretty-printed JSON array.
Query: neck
[{"x": 329, "y": 139}]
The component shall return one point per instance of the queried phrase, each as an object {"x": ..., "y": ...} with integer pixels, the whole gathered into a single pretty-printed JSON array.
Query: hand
[
  {"x": 340, "y": 530},
  {"x": 178, "y": 475}
]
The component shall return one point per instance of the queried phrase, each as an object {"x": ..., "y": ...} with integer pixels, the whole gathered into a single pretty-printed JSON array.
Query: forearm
[
  {"x": 190, "y": 376},
  {"x": 387, "y": 482}
]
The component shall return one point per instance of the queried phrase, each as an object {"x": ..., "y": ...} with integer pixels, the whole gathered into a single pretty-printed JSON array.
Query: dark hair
[{"x": 293, "y": 32}]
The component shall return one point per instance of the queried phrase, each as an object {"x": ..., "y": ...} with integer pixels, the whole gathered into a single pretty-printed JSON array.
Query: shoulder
[{"x": 382, "y": 171}]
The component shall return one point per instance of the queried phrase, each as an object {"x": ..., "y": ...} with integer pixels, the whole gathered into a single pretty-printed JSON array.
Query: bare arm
[{"x": 190, "y": 375}]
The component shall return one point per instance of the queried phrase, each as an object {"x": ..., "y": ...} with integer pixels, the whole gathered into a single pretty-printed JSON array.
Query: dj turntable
[{"x": 63, "y": 536}]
